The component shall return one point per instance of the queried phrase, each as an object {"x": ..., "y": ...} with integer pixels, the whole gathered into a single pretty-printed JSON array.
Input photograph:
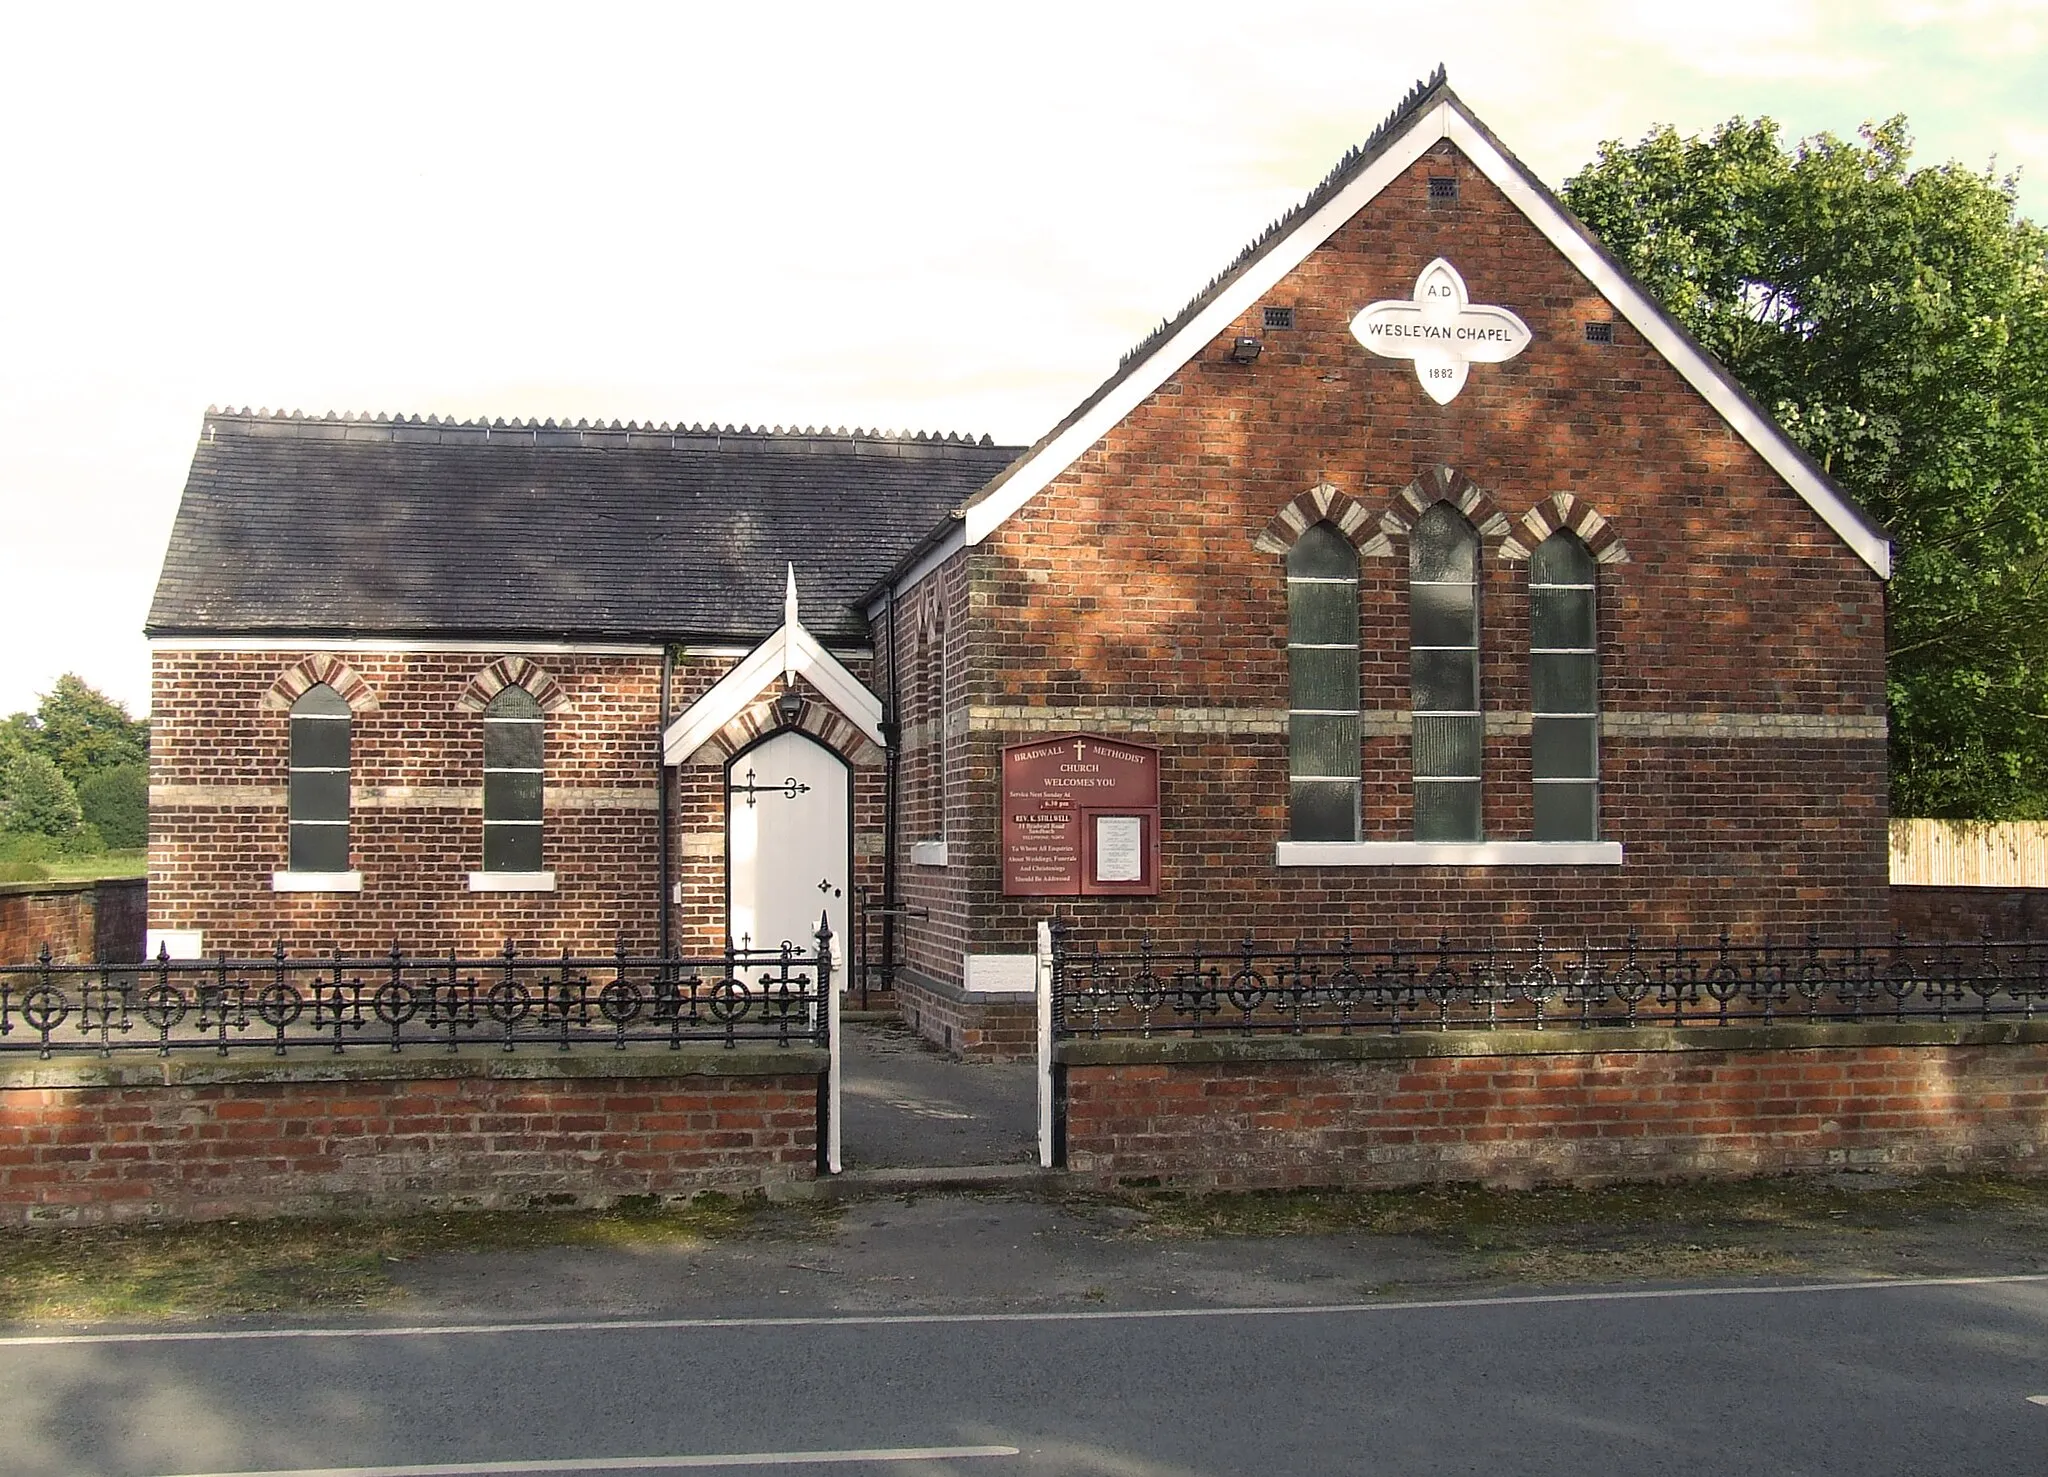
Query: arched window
[
  {"x": 512, "y": 782},
  {"x": 1564, "y": 690},
  {"x": 319, "y": 781},
  {"x": 1448, "y": 732},
  {"x": 1322, "y": 666}
]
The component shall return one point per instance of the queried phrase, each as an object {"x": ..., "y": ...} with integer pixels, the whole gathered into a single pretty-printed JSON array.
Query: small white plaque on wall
[
  {"x": 1002, "y": 974},
  {"x": 178, "y": 943}
]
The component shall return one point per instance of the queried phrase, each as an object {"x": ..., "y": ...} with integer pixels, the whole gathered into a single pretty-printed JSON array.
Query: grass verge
[
  {"x": 1478, "y": 1219},
  {"x": 222, "y": 1268}
]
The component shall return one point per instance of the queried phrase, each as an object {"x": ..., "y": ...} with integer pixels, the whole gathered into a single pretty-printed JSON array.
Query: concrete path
[{"x": 909, "y": 1105}]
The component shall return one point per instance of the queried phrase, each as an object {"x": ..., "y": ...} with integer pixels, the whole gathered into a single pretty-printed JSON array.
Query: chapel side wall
[
  {"x": 1741, "y": 642},
  {"x": 219, "y": 762},
  {"x": 937, "y": 803}
]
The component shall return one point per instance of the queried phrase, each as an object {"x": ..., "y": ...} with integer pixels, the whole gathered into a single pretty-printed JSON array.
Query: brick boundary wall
[
  {"x": 986, "y": 1028},
  {"x": 93, "y": 922},
  {"x": 1515, "y": 1108},
  {"x": 1964, "y": 914},
  {"x": 138, "y": 1138}
]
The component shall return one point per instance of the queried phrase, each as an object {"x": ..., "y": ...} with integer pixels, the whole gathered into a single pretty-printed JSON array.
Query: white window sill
[
  {"x": 928, "y": 853},
  {"x": 511, "y": 881},
  {"x": 316, "y": 881},
  {"x": 1448, "y": 854}
]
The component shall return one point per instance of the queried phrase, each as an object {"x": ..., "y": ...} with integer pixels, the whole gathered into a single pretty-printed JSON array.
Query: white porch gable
[{"x": 791, "y": 652}]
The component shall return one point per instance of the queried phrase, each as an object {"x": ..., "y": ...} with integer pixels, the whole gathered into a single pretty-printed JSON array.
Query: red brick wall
[
  {"x": 939, "y": 799},
  {"x": 1965, "y": 913},
  {"x": 985, "y": 1030},
  {"x": 60, "y": 914},
  {"x": 218, "y": 819},
  {"x": 313, "y": 1140},
  {"x": 1435, "y": 1108},
  {"x": 1132, "y": 583}
]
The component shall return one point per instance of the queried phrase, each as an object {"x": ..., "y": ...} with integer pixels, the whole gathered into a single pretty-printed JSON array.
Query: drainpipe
[
  {"x": 892, "y": 733},
  {"x": 668, "y": 668}
]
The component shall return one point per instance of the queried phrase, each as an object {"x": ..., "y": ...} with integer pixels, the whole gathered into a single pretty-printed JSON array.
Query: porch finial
[{"x": 789, "y": 626}]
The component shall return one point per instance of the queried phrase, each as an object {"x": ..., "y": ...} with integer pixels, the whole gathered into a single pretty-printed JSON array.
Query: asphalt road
[{"x": 1868, "y": 1379}]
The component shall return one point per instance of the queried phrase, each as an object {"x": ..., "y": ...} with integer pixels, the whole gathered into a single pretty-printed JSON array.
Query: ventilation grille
[
  {"x": 1443, "y": 187},
  {"x": 1600, "y": 333},
  {"x": 1279, "y": 317}
]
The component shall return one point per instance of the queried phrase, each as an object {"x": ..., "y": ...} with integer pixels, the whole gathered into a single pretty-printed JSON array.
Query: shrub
[{"x": 117, "y": 802}]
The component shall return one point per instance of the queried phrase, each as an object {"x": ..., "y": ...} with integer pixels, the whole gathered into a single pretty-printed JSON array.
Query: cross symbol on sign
[
  {"x": 1441, "y": 330},
  {"x": 1080, "y": 750}
]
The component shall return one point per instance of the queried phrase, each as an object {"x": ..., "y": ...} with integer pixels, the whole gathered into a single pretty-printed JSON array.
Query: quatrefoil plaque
[{"x": 1442, "y": 330}]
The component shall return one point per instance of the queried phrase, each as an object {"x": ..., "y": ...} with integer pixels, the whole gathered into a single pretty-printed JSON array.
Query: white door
[{"x": 789, "y": 827}]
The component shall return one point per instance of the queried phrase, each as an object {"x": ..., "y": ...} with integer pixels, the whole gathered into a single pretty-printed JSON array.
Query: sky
[{"x": 949, "y": 217}]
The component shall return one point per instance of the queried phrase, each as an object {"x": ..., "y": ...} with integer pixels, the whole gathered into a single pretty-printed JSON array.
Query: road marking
[
  {"x": 2037, "y": 1400},
  {"x": 636, "y": 1463},
  {"x": 912, "y": 1320}
]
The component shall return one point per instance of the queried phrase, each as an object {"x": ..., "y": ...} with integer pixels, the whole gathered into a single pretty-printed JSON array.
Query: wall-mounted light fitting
[
  {"x": 1246, "y": 349},
  {"x": 789, "y": 706}
]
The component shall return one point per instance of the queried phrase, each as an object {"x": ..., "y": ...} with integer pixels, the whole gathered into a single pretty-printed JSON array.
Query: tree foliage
[
  {"x": 1895, "y": 320},
  {"x": 36, "y": 799},
  {"x": 73, "y": 772},
  {"x": 83, "y": 731}
]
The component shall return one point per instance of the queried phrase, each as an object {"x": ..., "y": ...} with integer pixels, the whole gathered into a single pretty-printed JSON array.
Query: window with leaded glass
[
  {"x": 512, "y": 776},
  {"x": 1443, "y": 652},
  {"x": 319, "y": 781},
  {"x": 1322, "y": 667},
  {"x": 1564, "y": 690}
]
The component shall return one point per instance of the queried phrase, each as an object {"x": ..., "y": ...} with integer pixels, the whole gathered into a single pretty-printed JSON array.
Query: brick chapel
[{"x": 1419, "y": 577}]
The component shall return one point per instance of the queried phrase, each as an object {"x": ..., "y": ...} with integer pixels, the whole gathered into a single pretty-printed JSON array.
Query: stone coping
[
  {"x": 53, "y": 887},
  {"x": 1220, "y": 1048},
  {"x": 259, "y": 1065}
]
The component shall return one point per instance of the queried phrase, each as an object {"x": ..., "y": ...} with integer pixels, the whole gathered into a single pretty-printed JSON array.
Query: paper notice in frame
[{"x": 1119, "y": 848}]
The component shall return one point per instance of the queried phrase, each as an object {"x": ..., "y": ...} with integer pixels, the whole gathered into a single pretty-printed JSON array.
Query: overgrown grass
[
  {"x": 1479, "y": 1219},
  {"x": 223, "y": 1268}
]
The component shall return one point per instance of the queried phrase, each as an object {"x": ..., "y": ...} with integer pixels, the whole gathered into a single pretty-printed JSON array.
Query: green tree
[
  {"x": 1895, "y": 321},
  {"x": 36, "y": 800},
  {"x": 82, "y": 730}
]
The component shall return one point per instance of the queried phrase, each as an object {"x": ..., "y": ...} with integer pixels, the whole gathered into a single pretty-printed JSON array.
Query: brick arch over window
[
  {"x": 1440, "y": 484},
  {"x": 1320, "y": 504},
  {"x": 296, "y": 681},
  {"x": 1567, "y": 510},
  {"x": 512, "y": 671},
  {"x": 819, "y": 719}
]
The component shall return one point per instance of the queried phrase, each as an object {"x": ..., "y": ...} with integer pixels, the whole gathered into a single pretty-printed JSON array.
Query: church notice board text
[{"x": 1080, "y": 818}]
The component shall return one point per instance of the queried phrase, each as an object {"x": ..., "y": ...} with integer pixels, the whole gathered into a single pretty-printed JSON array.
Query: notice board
[{"x": 1080, "y": 818}]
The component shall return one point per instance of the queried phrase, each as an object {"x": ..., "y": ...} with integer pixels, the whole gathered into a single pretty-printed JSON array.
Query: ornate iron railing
[
  {"x": 400, "y": 1001},
  {"x": 1254, "y": 989}
]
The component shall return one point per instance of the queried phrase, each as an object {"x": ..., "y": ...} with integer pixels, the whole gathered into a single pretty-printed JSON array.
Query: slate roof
[{"x": 293, "y": 525}]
